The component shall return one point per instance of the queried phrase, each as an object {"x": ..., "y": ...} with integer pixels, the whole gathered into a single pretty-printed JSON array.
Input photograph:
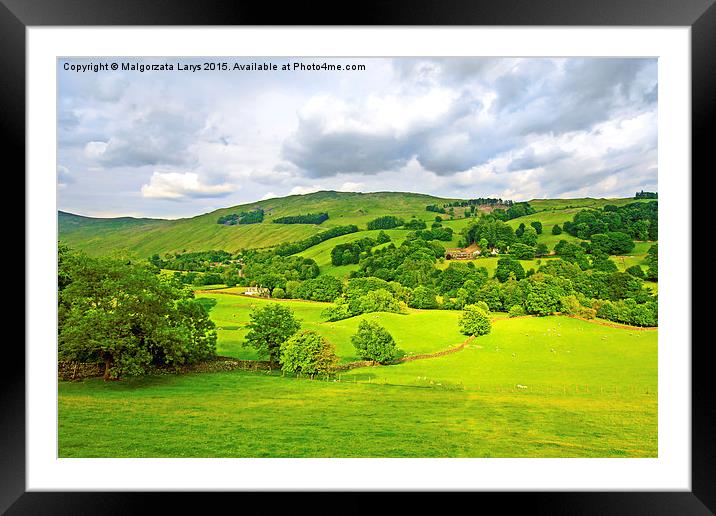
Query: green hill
[{"x": 143, "y": 237}]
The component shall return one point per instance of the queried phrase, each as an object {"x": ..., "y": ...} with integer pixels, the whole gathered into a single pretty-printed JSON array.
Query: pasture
[
  {"x": 587, "y": 390},
  {"x": 421, "y": 331}
]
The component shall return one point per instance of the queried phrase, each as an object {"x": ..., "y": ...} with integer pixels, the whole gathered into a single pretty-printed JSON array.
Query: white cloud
[
  {"x": 301, "y": 190},
  {"x": 350, "y": 186},
  {"x": 95, "y": 150},
  {"x": 177, "y": 185}
]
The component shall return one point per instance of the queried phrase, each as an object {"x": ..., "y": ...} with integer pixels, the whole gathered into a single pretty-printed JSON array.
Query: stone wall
[{"x": 79, "y": 371}]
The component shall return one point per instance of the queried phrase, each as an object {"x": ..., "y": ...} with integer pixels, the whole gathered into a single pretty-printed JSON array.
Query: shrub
[
  {"x": 340, "y": 310},
  {"x": 474, "y": 321},
  {"x": 516, "y": 311},
  {"x": 307, "y": 352},
  {"x": 373, "y": 342},
  {"x": 483, "y": 305},
  {"x": 278, "y": 293},
  {"x": 570, "y": 305}
]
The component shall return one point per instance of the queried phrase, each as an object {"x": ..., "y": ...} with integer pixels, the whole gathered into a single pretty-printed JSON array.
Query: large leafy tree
[
  {"x": 373, "y": 342},
  {"x": 269, "y": 327},
  {"x": 127, "y": 316}
]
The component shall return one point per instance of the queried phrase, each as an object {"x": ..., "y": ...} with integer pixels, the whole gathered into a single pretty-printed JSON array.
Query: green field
[
  {"x": 421, "y": 331},
  {"x": 321, "y": 253},
  {"x": 589, "y": 391}
]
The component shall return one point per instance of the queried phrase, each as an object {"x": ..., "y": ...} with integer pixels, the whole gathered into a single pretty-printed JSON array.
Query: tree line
[
  {"x": 309, "y": 218},
  {"x": 245, "y": 217}
]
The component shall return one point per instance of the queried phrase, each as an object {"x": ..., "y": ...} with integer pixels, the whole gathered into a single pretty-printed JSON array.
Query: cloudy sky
[{"x": 178, "y": 143}]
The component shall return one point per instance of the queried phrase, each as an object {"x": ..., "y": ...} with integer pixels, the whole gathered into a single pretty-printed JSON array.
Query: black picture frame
[{"x": 700, "y": 15}]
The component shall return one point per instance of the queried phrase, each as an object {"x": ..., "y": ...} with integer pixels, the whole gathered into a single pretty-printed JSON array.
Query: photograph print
[{"x": 278, "y": 257}]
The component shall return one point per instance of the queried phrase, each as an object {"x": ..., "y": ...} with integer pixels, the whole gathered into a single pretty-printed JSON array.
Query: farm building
[
  {"x": 467, "y": 253},
  {"x": 257, "y": 291}
]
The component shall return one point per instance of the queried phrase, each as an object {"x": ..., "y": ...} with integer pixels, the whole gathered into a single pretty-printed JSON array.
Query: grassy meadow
[{"x": 588, "y": 390}]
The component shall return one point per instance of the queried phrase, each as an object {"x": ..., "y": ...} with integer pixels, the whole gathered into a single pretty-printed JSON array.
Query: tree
[
  {"x": 529, "y": 236},
  {"x": 521, "y": 251},
  {"x": 291, "y": 288},
  {"x": 636, "y": 271},
  {"x": 612, "y": 242},
  {"x": 338, "y": 311},
  {"x": 322, "y": 288},
  {"x": 269, "y": 327},
  {"x": 383, "y": 237},
  {"x": 505, "y": 266},
  {"x": 385, "y": 222},
  {"x": 601, "y": 262},
  {"x": 373, "y": 342},
  {"x": 537, "y": 225},
  {"x": 572, "y": 253},
  {"x": 230, "y": 277},
  {"x": 474, "y": 321},
  {"x": 379, "y": 300},
  {"x": 423, "y": 297},
  {"x": 556, "y": 229},
  {"x": 127, "y": 316},
  {"x": 307, "y": 352}
]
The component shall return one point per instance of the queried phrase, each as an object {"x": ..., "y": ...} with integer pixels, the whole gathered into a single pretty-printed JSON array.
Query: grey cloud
[
  {"x": 157, "y": 138},
  {"x": 533, "y": 97},
  {"x": 528, "y": 159}
]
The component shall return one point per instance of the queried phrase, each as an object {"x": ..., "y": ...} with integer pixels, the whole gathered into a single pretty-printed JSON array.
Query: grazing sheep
[{"x": 519, "y": 386}]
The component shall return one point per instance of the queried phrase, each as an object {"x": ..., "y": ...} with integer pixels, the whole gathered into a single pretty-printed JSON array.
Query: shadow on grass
[
  {"x": 128, "y": 383},
  {"x": 207, "y": 303}
]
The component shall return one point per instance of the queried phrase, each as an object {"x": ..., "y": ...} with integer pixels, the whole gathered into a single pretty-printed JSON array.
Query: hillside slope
[{"x": 144, "y": 237}]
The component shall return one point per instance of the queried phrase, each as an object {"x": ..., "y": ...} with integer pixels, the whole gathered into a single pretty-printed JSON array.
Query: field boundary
[
  {"x": 219, "y": 291},
  {"x": 593, "y": 321},
  {"x": 71, "y": 371},
  {"x": 410, "y": 358}
]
